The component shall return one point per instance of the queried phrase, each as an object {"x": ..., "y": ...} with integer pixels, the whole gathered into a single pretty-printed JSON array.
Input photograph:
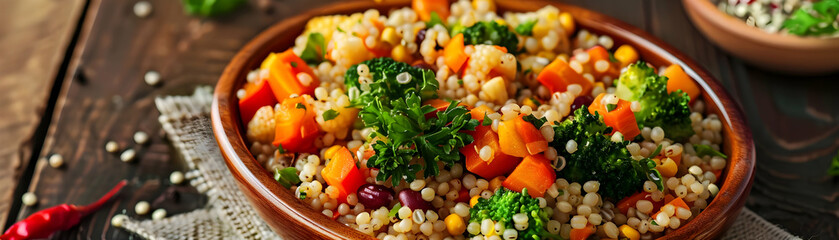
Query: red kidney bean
[
  {"x": 423, "y": 65},
  {"x": 374, "y": 196},
  {"x": 420, "y": 36},
  {"x": 580, "y": 101},
  {"x": 413, "y": 200}
]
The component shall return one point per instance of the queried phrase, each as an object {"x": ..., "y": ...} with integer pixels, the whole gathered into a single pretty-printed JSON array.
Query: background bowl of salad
[
  {"x": 293, "y": 218},
  {"x": 788, "y": 36}
]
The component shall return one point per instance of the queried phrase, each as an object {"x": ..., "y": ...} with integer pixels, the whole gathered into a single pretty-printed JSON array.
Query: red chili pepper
[{"x": 44, "y": 223}]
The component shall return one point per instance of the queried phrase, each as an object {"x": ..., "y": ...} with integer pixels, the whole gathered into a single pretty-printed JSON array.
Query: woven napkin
[{"x": 228, "y": 215}]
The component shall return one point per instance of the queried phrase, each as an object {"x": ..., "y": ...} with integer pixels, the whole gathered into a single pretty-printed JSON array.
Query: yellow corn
[
  {"x": 331, "y": 152},
  {"x": 626, "y": 55},
  {"x": 667, "y": 168},
  {"x": 501, "y": 22},
  {"x": 540, "y": 30},
  {"x": 567, "y": 22},
  {"x": 455, "y": 225},
  {"x": 532, "y": 102},
  {"x": 478, "y": 4},
  {"x": 389, "y": 35},
  {"x": 628, "y": 232},
  {"x": 474, "y": 200},
  {"x": 546, "y": 54},
  {"x": 400, "y": 54}
]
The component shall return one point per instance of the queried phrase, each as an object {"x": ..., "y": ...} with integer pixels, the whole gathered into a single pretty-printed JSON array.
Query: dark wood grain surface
[
  {"x": 32, "y": 48},
  {"x": 795, "y": 120}
]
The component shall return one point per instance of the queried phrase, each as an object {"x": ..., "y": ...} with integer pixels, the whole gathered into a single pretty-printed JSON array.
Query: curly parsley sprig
[{"x": 409, "y": 134}]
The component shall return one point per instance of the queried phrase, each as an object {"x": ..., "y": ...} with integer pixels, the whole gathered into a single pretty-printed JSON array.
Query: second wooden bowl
[
  {"x": 775, "y": 52},
  {"x": 293, "y": 219}
]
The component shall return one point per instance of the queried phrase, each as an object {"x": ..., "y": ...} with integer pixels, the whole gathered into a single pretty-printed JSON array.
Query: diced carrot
[
  {"x": 675, "y": 202},
  {"x": 678, "y": 202},
  {"x": 558, "y": 75},
  {"x": 454, "y": 53},
  {"x": 534, "y": 142},
  {"x": 621, "y": 119},
  {"x": 627, "y": 202},
  {"x": 717, "y": 173},
  {"x": 479, "y": 112},
  {"x": 296, "y": 127},
  {"x": 498, "y": 164},
  {"x": 582, "y": 233},
  {"x": 679, "y": 80},
  {"x": 534, "y": 173},
  {"x": 511, "y": 142},
  {"x": 503, "y": 49},
  {"x": 342, "y": 173},
  {"x": 668, "y": 198},
  {"x": 424, "y": 8},
  {"x": 283, "y": 69},
  {"x": 597, "y": 54},
  {"x": 259, "y": 96}
]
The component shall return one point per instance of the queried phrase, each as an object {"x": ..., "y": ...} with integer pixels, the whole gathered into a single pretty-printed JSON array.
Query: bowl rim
[
  {"x": 252, "y": 177},
  {"x": 739, "y": 29}
]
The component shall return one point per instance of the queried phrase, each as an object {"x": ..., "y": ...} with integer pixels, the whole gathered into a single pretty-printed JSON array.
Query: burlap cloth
[{"x": 228, "y": 215}]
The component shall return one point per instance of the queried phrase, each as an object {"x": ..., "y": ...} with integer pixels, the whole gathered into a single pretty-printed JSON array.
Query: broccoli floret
[
  {"x": 599, "y": 158},
  {"x": 670, "y": 111},
  {"x": 489, "y": 32},
  {"x": 384, "y": 85},
  {"x": 504, "y": 204}
]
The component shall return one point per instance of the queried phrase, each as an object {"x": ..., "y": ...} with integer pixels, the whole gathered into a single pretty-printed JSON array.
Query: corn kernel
[
  {"x": 474, "y": 200},
  {"x": 389, "y": 35},
  {"x": 400, "y": 54},
  {"x": 628, "y": 232},
  {"x": 455, "y": 225},
  {"x": 626, "y": 55},
  {"x": 567, "y": 22}
]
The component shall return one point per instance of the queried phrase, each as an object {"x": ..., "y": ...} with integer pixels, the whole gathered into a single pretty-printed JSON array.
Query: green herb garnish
[
  {"x": 487, "y": 121},
  {"x": 209, "y": 8},
  {"x": 818, "y": 19},
  {"x": 435, "y": 20},
  {"x": 287, "y": 177},
  {"x": 330, "y": 114},
  {"x": 394, "y": 210},
  {"x": 834, "y": 166},
  {"x": 705, "y": 150},
  {"x": 315, "y": 51},
  {"x": 300, "y": 106},
  {"x": 526, "y": 28}
]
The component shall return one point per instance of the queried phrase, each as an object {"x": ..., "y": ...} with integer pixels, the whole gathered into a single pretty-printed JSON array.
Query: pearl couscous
[{"x": 455, "y": 121}]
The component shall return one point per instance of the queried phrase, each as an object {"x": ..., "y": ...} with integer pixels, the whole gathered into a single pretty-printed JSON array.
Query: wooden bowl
[
  {"x": 775, "y": 52},
  {"x": 293, "y": 219}
]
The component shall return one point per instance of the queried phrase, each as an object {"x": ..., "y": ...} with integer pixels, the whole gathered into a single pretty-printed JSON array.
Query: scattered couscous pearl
[
  {"x": 176, "y": 177},
  {"x": 127, "y": 155},
  {"x": 152, "y": 78},
  {"x": 142, "y": 9},
  {"x": 29, "y": 199},
  {"x": 56, "y": 161},
  {"x": 141, "y": 137},
  {"x": 158, "y": 214},
  {"x": 111, "y": 147},
  {"x": 241, "y": 93},
  {"x": 119, "y": 220},
  {"x": 142, "y": 208}
]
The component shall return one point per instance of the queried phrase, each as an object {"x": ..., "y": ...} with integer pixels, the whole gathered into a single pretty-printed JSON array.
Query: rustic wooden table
[{"x": 71, "y": 74}]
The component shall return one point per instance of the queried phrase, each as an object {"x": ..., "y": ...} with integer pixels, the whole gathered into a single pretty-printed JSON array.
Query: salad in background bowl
[{"x": 788, "y": 36}]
